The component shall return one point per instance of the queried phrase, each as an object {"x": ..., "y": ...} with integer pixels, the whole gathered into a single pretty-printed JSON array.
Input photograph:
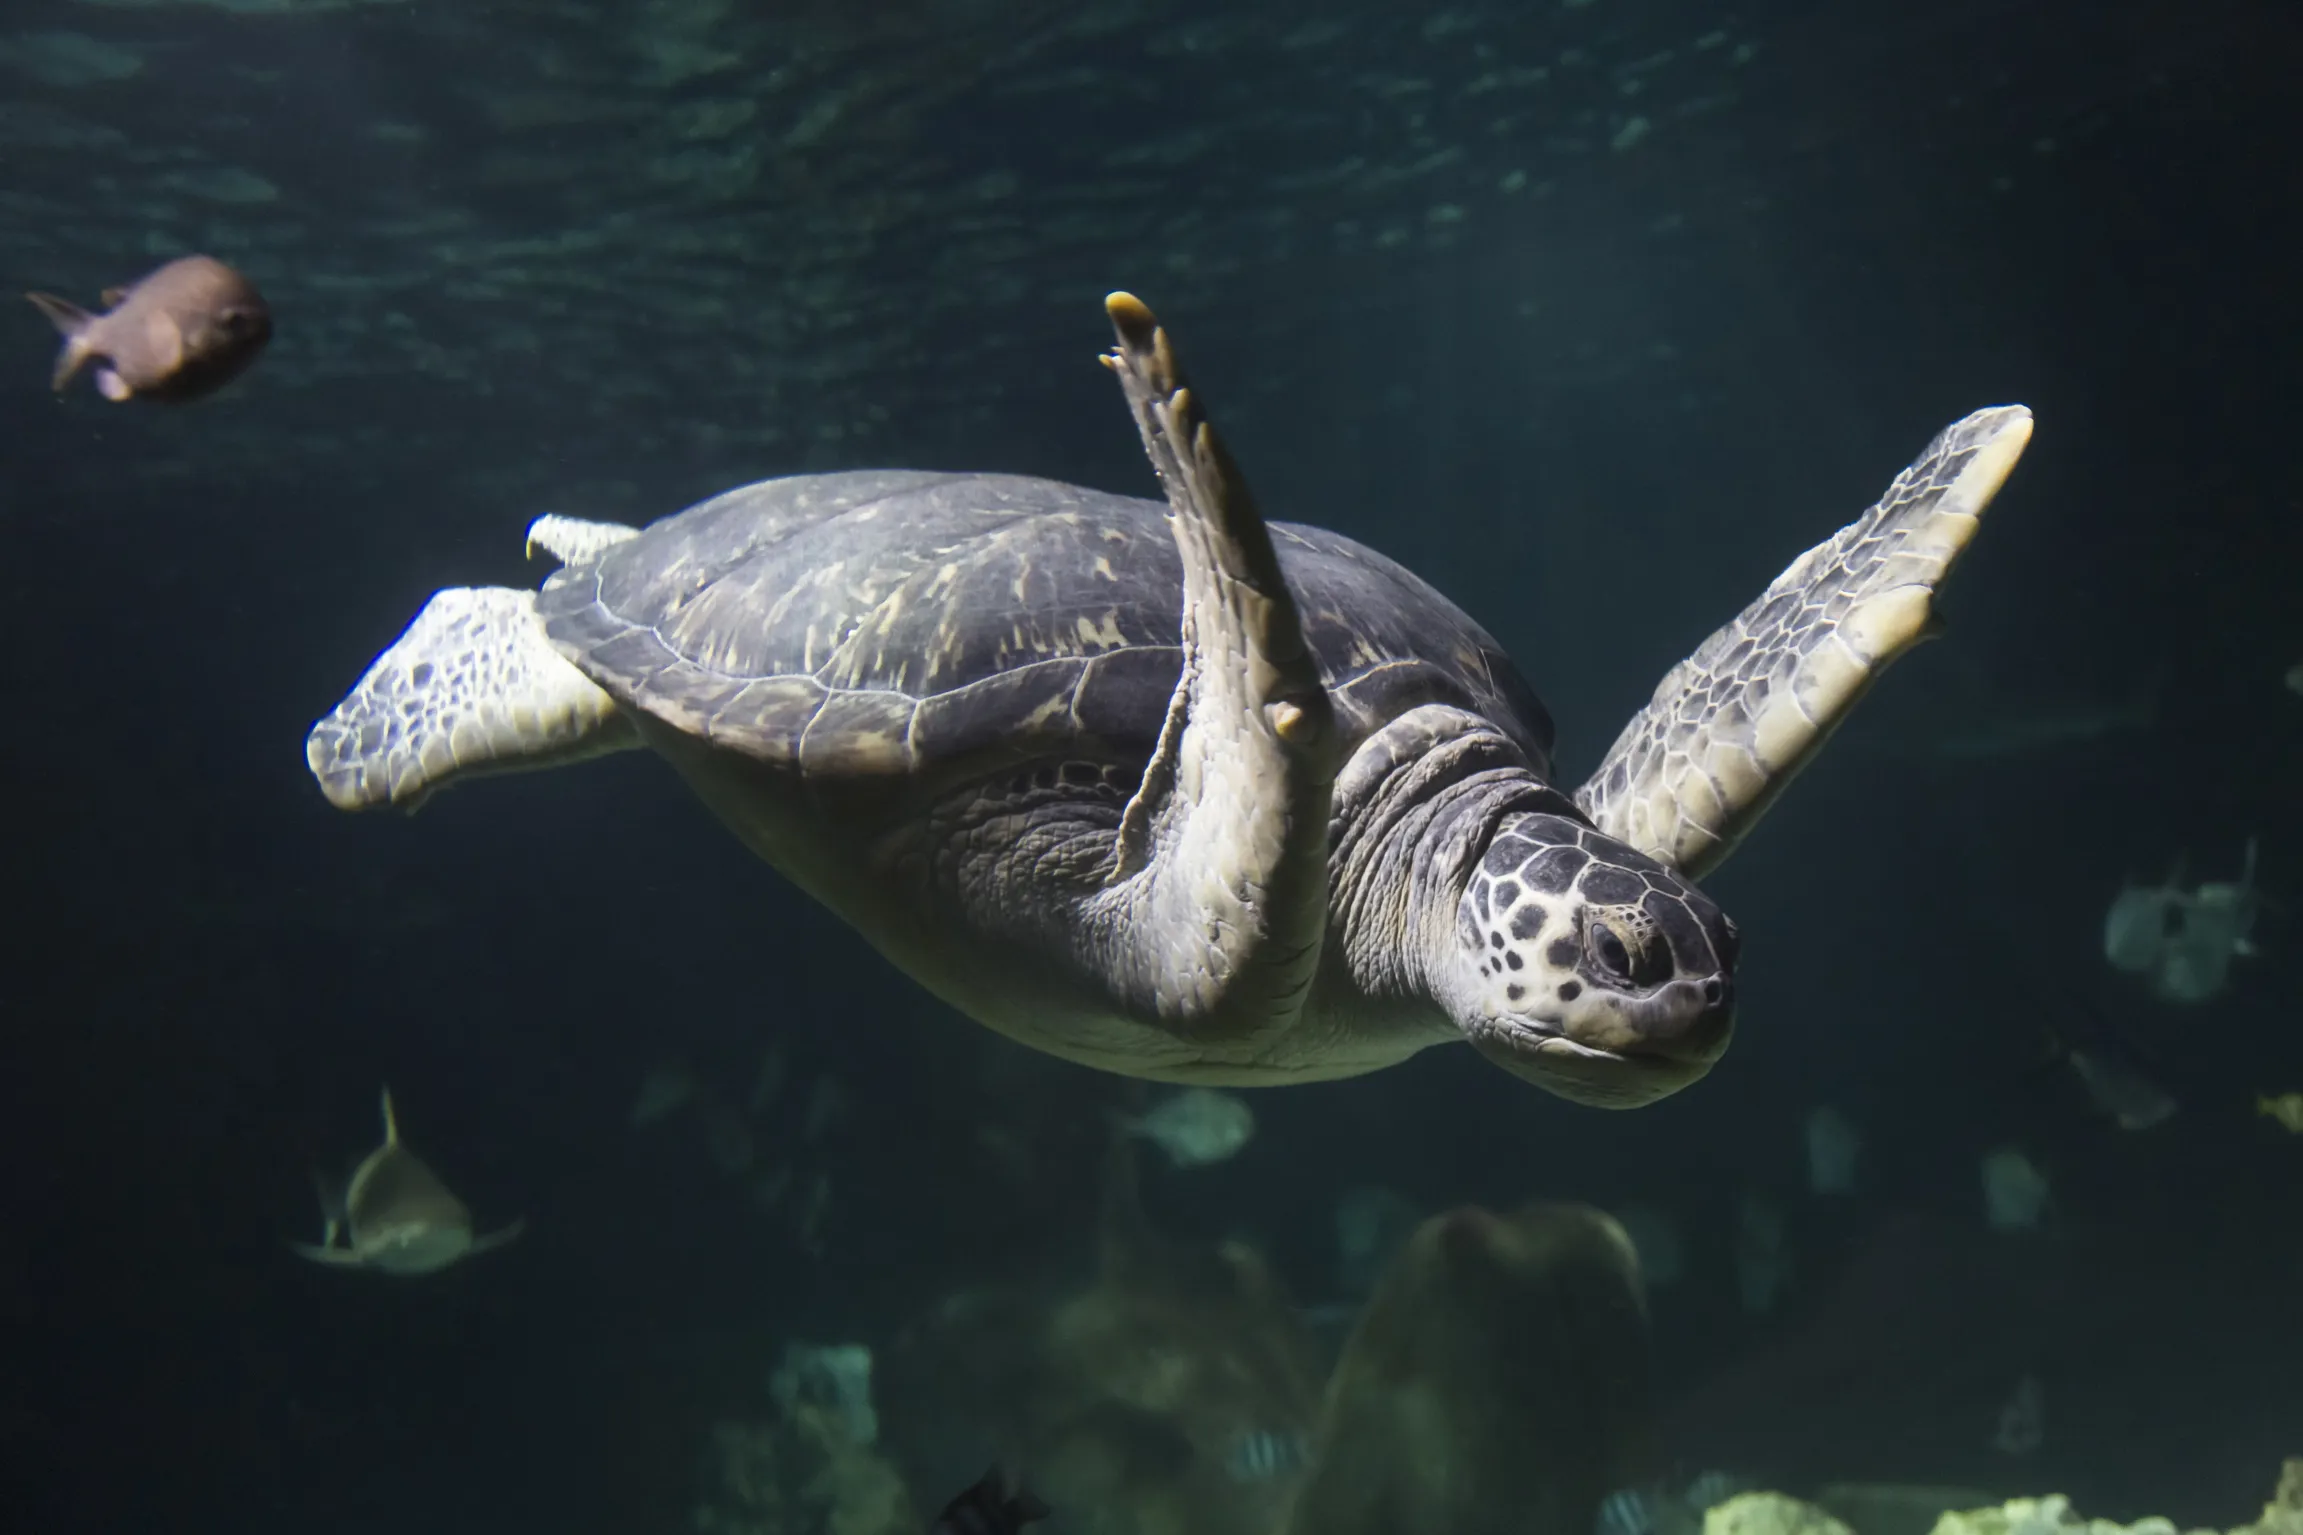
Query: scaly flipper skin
[
  {"x": 573, "y": 540},
  {"x": 472, "y": 687},
  {"x": 1732, "y": 724},
  {"x": 1217, "y": 900}
]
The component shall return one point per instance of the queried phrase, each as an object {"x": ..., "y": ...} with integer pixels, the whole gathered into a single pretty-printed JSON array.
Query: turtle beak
[{"x": 1620, "y": 1052}]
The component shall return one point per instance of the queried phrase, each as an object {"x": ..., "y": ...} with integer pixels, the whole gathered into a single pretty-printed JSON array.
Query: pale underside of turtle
[{"x": 1171, "y": 790}]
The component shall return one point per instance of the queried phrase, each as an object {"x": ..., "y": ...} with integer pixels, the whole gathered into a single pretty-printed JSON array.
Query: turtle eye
[{"x": 1607, "y": 951}]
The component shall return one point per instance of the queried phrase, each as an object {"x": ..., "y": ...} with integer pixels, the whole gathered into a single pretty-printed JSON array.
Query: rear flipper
[
  {"x": 1730, "y": 725},
  {"x": 574, "y": 540},
  {"x": 472, "y": 687}
]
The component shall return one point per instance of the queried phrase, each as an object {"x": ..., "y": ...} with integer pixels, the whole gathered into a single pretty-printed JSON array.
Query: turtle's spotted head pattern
[{"x": 1593, "y": 970}]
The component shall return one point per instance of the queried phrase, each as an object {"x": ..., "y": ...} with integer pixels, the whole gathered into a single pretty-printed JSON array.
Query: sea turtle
[{"x": 1304, "y": 833}]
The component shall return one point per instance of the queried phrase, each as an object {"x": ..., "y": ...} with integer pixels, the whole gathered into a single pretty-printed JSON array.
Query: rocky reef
[
  {"x": 801, "y": 1474},
  {"x": 1774, "y": 1513}
]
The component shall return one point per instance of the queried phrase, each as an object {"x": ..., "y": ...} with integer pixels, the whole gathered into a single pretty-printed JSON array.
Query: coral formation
[
  {"x": 1498, "y": 1383},
  {"x": 1890, "y": 1510},
  {"x": 2051, "y": 1515},
  {"x": 802, "y": 1474},
  {"x": 2283, "y": 1515},
  {"x": 1769, "y": 1513}
]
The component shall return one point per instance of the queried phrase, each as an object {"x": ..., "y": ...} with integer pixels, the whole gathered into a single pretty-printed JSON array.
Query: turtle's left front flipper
[
  {"x": 1731, "y": 725},
  {"x": 472, "y": 687},
  {"x": 1217, "y": 901}
]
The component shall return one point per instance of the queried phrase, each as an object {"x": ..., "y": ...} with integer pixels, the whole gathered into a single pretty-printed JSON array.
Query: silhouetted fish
[
  {"x": 175, "y": 334},
  {"x": 2110, "y": 1065},
  {"x": 988, "y": 1508},
  {"x": 1197, "y": 1127},
  {"x": 395, "y": 1215}
]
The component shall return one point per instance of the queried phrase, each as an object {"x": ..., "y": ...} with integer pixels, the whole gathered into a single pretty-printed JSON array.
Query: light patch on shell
[{"x": 1096, "y": 637}]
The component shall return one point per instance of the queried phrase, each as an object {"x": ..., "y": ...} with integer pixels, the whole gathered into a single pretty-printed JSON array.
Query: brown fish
[{"x": 178, "y": 333}]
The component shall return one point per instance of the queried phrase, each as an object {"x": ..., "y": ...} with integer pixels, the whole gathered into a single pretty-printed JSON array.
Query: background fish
[
  {"x": 2022, "y": 1421},
  {"x": 1500, "y": 1383},
  {"x": 2287, "y": 1108},
  {"x": 2109, "y": 1064},
  {"x": 988, "y": 1508},
  {"x": 1197, "y": 1127},
  {"x": 2184, "y": 940},
  {"x": 2120, "y": 1089},
  {"x": 395, "y": 1216},
  {"x": 2050, "y": 727},
  {"x": 176, "y": 334}
]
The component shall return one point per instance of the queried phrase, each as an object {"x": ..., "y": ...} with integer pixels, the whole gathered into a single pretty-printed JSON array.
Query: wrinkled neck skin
[{"x": 1414, "y": 812}]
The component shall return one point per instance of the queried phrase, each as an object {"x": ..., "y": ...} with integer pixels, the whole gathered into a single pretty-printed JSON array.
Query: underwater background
[{"x": 1593, "y": 314}]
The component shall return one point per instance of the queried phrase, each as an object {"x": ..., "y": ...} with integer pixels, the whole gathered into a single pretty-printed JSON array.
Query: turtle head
[{"x": 1589, "y": 968}]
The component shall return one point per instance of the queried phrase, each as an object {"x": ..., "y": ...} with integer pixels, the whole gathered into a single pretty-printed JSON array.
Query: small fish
[
  {"x": 1763, "y": 1263},
  {"x": 989, "y": 1508},
  {"x": 1708, "y": 1489},
  {"x": 2287, "y": 1109},
  {"x": 834, "y": 1378},
  {"x": 2121, "y": 1090},
  {"x": 1653, "y": 1510},
  {"x": 668, "y": 1086},
  {"x": 2184, "y": 940},
  {"x": 1627, "y": 1511},
  {"x": 2110, "y": 1066},
  {"x": 395, "y": 1215},
  {"x": 2016, "y": 1193},
  {"x": 1833, "y": 1147},
  {"x": 175, "y": 334},
  {"x": 2295, "y": 678},
  {"x": 1264, "y": 1456},
  {"x": 2022, "y": 1419},
  {"x": 1197, "y": 1127},
  {"x": 2049, "y": 728}
]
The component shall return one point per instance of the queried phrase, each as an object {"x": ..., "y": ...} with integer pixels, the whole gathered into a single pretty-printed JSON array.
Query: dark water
[{"x": 1595, "y": 316}]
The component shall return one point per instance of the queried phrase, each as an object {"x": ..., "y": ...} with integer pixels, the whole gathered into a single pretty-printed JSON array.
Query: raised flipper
[
  {"x": 1731, "y": 725},
  {"x": 573, "y": 540},
  {"x": 472, "y": 687},
  {"x": 1218, "y": 894}
]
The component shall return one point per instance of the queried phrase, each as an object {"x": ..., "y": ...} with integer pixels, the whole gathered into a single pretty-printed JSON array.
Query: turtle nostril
[{"x": 1712, "y": 991}]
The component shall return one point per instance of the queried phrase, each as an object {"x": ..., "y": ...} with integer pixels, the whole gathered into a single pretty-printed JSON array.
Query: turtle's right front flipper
[
  {"x": 1218, "y": 899},
  {"x": 472, "y": 687},
  {"x": 1730, "y": 725}
]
